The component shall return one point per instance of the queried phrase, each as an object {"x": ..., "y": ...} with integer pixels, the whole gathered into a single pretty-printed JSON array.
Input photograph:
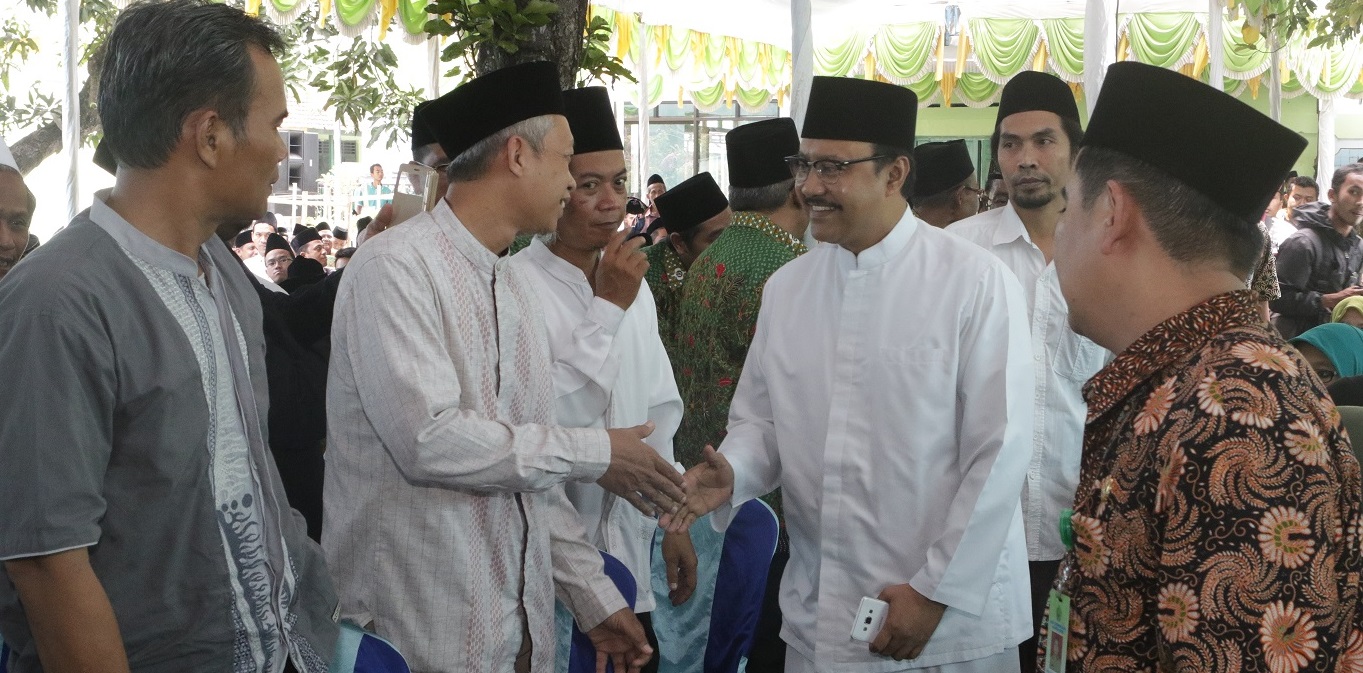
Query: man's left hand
[
  {"x": 909, "y": 624},
  {"x": 620, "y": 639}
]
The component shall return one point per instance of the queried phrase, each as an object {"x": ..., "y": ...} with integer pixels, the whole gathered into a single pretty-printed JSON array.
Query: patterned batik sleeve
[
  {"x": 715, "y": 325},
  {"x": 1264, "y": 283},
  {"x": 1247, "y": 501}
]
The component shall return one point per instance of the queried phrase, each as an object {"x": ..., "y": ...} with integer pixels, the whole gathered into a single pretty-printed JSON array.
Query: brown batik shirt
[{"x": 1217, "y": 516}]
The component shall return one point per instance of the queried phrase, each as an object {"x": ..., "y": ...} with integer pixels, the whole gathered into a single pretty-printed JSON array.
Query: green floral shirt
[
  {"x": 665, "y": 276},
  {"x": 715, "y": 326}
]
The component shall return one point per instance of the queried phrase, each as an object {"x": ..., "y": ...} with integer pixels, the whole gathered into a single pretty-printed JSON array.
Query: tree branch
[{"x": 46, "y": 140}]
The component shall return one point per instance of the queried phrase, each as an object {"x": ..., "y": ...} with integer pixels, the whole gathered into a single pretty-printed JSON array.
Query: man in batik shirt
[
  {"x": 696, "y": 212},
  {"x": 1216, "y": 522}
]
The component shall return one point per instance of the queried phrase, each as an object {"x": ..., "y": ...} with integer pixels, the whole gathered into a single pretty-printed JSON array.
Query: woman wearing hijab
[
  {"x": 1334, "y": 350},
  {"x": 1349, "y": 312}
]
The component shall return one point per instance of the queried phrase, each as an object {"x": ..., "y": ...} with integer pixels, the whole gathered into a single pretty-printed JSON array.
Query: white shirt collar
[
  {"x": 556, "y": 266},
  {"x": 886, "y": 249},
  {"x": 1010, "y": 227}
]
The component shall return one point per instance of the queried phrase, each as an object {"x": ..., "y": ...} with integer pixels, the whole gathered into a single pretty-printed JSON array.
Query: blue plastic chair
[
  {"x": 749, "y": 544},
  {"x": 582, "y": 657},
  {"x": 723, "y": 612},
  {"x": 359, "y": 651}
]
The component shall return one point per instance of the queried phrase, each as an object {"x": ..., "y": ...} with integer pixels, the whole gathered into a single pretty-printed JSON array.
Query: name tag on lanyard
[{"x": 1057, "y": 632}]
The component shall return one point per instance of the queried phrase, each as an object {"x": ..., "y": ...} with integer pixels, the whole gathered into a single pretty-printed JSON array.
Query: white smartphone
[
  {"x": 870, "y": 617},
  {"x": 414, "y": 192}
]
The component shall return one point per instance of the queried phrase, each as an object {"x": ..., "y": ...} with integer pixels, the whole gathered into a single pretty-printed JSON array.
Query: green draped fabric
[
  {"x": 675, "y": 44},
  {"x": 1065, "y": 38},
  {"x": 354, "y": 12},
  {"x": 655, "y": 90},
  {"x": 1165, "y": 39},
  {"x": 712, "y": 57},
  {"x": 1003, "y": 47},
  {"x": 976, "y": 87},
  {"x": 749, "y": 66},
  {"x": 412, "y": 15},
  {"x": 838, "y": 59},
  {"x": 708, "y": 98},
  {"x": 924, "y": 88},
  {"x": 1340, "y": 71},
  {"x": 285, "y": 6},
  {"x": 903, "y": 52},
  {"x": 753, "y": 98},
  {"x": 1240, "y": 58},
  {"x": 973, "y": 87}
]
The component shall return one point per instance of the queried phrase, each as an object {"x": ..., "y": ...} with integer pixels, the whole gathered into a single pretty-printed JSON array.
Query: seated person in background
[
  {"x": 1349, "y": 312},
  {"x": 1334, "y": 350}
]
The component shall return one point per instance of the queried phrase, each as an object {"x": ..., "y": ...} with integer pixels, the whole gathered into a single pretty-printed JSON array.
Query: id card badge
[{"x": 1057, "y": 632}]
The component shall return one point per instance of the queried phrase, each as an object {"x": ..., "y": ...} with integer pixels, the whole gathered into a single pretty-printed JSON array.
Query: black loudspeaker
[{"x": 302, "y": 166}]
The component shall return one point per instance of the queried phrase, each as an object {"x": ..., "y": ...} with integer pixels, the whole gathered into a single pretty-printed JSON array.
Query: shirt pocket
[{"x": 1078, "y": 358}]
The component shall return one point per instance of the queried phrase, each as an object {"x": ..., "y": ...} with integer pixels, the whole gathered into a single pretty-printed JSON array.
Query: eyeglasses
[{"x": 829, "y": 170}]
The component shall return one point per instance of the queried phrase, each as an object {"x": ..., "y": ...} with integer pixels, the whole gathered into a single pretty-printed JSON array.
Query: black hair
[
  {"x": 1187, "y": 224},
  {"x": 166, "y": 60},
  {"x": 1342, "y": 173}
]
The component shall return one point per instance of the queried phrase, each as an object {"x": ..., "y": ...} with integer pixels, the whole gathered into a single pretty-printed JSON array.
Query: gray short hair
[
  {"x": 760, "y": 199},
  {"x": 473, "y": 163}
]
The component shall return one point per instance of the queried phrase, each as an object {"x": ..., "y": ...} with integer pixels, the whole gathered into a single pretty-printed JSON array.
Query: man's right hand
[
  {"x": 620, "y": 271},
  {"x": 1329, "y": 301},
  {"x": 639, "y": 475},
  {"x": 708, "y": 485}
]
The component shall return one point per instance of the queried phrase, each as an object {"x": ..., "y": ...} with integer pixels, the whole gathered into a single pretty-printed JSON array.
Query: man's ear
[
  {"x": 209, "y": 134},
  {"x": 517, "y": 152},
  {"x": 1123, "y": 219},
  {"x": 897, "y": 173}
]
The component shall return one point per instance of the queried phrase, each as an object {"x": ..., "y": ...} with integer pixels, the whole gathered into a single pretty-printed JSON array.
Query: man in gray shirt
[{"x": 144, "y": 526}]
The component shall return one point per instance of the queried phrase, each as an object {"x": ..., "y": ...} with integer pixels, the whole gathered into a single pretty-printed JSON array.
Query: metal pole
[
  {"x": 801, "y": 58},
  {"x": 1216, "y": 45},
  {"x": 641, "y": 170},
  {"x": 1100, "y": 46},
  {"x": 1275, "y": 86},
  {"x": 1325, "y": 139},
  {"x": 71, "y": 135},
  {"x": 433, "y": 86}
]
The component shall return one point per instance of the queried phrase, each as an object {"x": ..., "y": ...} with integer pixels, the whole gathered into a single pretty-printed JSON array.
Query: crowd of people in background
[{"x": 1089, "y": 414}]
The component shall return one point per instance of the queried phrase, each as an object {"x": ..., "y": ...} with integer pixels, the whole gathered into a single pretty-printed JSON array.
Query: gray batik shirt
[{"x": 134, "y": 428}]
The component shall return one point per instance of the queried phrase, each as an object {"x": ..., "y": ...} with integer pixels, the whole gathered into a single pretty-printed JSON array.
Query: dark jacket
[
  {"x": 297, "y": 329},
  {"x": 1313, "y": 262}
]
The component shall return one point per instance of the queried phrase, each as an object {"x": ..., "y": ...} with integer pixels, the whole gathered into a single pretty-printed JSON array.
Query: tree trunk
[
  {"x": 46, "y": 141},
  {"x": 560, "y": 42}
]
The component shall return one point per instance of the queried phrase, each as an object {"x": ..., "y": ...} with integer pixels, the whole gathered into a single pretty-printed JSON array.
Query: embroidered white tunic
[
  {"x": 888, "y": 395},
  {"x": 446, "y": 524},
  {"x": 610, "y": 371}
]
